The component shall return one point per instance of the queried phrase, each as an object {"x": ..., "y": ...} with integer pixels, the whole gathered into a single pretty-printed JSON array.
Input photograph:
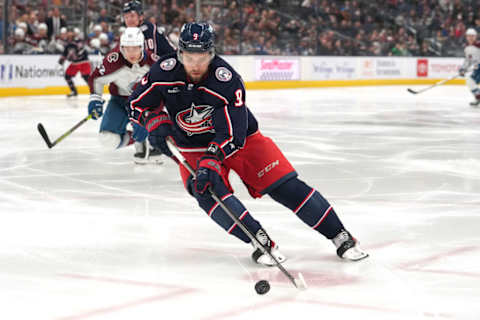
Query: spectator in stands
[
  {"x": 55, "y": 23},
  {"x": 97, "y": 30},
  {"x": 20, "y": 44},
  {"x": 94, "y": 46},
  {"x": 40, "y": 39},
  {"x": 104, "y": 43},
  {"x": 105, "y": 17},
  {"x": 106, "y": 30},
  {"x": 363, "y": 27},
  {"x": 57, "y": 45},
  {"x": 399, "y": 50}
]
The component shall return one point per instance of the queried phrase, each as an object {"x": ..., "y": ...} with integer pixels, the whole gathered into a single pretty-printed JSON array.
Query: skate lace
[
  {"x": 263, "y": 238},
  {"x": 341, "y": 238}
]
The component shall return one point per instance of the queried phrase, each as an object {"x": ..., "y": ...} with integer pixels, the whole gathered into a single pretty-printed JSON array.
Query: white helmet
[
  {"x": 471, "y": 32},
  {"x": 132, "y": 37}
]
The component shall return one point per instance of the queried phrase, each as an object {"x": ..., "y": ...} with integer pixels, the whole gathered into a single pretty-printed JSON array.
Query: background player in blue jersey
[
  {"x": 206, "y": 115},
  {"x": 76, "y": 53},
  {"x": 155, "y": 42}
]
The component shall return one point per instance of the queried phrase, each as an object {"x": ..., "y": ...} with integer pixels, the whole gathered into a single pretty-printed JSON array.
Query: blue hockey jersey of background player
[{"x": 155, "y": 40}]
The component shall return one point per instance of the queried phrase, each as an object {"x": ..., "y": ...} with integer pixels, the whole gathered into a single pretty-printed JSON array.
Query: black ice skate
[
  {"x": 262, "y": 258},
  {"x": 476, "y": 103},
  {"x": 72, "y": 94},
  {"x": 145, "y": 154},
  {"x": 348, "y": 247}
]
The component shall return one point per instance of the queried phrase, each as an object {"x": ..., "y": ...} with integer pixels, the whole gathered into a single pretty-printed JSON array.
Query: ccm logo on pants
[{"x": 269, "y": 167}]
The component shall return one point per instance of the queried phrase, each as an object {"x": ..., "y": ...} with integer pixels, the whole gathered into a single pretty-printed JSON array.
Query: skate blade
[{"x": 355, "y": 254}]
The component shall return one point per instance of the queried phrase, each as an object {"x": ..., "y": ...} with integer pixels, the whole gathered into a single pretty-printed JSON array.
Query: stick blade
[
  {"x": 412, "y": 91},
  {"x": 44, "y": 135},
  {"x": 300, "y": 282}
]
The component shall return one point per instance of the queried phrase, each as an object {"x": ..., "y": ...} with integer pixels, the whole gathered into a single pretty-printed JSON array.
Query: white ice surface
[{"x": 86, "y": 234}]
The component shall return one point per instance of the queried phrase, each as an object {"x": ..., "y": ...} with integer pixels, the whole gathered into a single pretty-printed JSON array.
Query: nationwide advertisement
[
  {"x": 34, "y": 71},
  {"x": 267, "y": 69}
]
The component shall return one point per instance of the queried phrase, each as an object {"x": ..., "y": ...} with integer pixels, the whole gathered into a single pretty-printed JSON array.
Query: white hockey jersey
[
  {"x": 472, "y": 56},
  {"x": 119, "y": 74}
]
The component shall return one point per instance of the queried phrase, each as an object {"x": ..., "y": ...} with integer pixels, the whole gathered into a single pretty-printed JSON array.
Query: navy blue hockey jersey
[
  {"x": 211, "y": 112},
  {"x": 75, "y": 52},
  {"x": 154, "y": 40}
]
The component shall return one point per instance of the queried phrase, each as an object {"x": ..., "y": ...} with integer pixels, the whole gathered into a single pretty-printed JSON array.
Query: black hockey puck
[{"x": 262, "y": 286}]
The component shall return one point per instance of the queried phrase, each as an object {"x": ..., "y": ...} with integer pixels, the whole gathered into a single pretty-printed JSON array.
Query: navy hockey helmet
[
  {"x": 134, "y": 5},
  {"x": 196, "y": 37}
]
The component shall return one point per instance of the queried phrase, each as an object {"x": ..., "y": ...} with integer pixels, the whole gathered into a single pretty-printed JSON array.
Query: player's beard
[{"x": 197, "y": 74}]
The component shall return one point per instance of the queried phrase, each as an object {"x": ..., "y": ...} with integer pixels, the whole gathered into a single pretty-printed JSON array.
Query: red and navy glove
[
  {"x": 159, "y": 126},
  {"x": 209, "y": 173}
]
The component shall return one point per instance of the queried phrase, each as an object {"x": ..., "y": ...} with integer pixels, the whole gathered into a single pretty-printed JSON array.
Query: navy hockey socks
[
  {"x": 70, "y": 84},
  {"x": 309, "y": 205},
  {"x": 218, "y": 215}
]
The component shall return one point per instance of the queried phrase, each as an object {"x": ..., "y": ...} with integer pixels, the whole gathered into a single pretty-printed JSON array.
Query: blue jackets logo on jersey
[
  {"x": 168, "y": 64},
  {"x": 196, "y": 119},
  {"x": 223, "y": 74}
]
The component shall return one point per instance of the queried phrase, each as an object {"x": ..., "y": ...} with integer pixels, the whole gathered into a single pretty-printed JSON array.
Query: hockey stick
[
  {"x": 50, "y": 144},
  {"x": 432, "y": 86},
  {"x": 299, "y": 283}
]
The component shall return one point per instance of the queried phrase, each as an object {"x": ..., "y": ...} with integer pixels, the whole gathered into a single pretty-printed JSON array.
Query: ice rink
[{"x": 86, "y": 234}]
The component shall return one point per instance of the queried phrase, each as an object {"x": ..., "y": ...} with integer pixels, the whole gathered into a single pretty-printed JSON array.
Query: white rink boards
[{"x": 85, "y": 234}]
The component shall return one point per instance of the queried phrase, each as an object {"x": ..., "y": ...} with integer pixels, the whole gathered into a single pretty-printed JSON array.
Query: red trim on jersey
[
  {"x": 300, "y": 206},
  {"x": 240, "y": 218},
  {"x": 230, "y": 128},
  {"x": 323, "y": 217},
  {"x": 152, "y": 86},
  {"x": 213, "y": 93}
]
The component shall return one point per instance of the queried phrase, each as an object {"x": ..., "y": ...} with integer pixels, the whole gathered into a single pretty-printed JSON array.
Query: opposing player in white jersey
[
  {"x": 121, "y": 69},
  {"x": 472, "y": 59}
]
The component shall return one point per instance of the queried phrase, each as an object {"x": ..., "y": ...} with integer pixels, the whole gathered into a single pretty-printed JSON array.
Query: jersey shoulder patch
[
  {"x": 223, "y": 74},
  {"x": 168, "y": 64},
  {"x": 144, "y": 27},
  {"x": 112, "y": 57}
]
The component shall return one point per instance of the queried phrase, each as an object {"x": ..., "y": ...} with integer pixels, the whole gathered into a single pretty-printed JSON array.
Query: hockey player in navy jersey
[
  {"x": 198, "y": 99},
  {"x": 121, "y": 69},
  {"x": 76, "y": 53},
  {"x": 155, "y": 41}
]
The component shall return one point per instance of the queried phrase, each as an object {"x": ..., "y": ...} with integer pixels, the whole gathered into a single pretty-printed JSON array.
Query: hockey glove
[
  {"x": 209, "y": 173},
  {"x": 95, "y": 106},
  {"x": 462, "y": 72},
  {"x": 159, "y": 127},
  {"x": 139, "y": 132}
]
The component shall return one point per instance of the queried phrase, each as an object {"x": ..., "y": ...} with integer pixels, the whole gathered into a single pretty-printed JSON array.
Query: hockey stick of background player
[
  {"x": 433, "y": 86},
  {"x": 45, "y": 137},
  {"x": 178, "y": 158}
]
